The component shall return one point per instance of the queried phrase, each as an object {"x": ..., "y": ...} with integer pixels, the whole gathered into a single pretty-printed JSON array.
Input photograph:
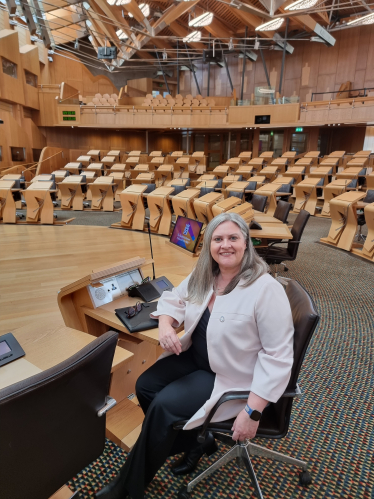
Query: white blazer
[{"x": 249, "y": 337}]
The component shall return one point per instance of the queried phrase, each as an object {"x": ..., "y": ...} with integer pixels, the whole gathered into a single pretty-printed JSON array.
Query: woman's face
[{"x": 227, "y": 246}]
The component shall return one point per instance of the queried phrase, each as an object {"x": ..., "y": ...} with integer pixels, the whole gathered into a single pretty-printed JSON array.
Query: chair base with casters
[{"x": 275, "y": 420}]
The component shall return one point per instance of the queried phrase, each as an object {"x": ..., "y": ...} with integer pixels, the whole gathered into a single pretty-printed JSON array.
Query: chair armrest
[
  {"x": 279, "y": 242},
  {"x": 110, "y": 402},
  {"x": 228, "y": 396}
]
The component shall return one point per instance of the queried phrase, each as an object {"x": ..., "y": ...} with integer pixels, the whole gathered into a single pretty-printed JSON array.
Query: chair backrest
[
  {"x": 252, "y": 186},
  {"x": 285, "y": 188},
  {"x": 352, "y": 184},
  {"x": 236, "y": 194},
  {"x": 282, "y": 210},
  {"x": 276, "y": 417},
  {"x": 150, "y": 188},
  {"x": 369, "y": 198},
  {"x": 205, "y": 190},
  {"x": 219, "y": 183},
  {"x": 178, "y": 189},
  {"x": 297, "y": 231},
  {"x": 258, "y": 202},
  {"x": 50, "y": 422}
]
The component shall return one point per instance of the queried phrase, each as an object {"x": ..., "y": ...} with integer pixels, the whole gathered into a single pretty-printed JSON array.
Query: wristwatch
[{"x": 252, "y": 413}]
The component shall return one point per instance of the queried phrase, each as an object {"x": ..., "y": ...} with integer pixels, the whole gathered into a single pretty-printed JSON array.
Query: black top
[{"x": 199, "y": 345}]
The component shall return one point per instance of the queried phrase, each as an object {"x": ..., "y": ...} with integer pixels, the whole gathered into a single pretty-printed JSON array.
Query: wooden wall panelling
[
  {"x": 30, "y": 62},
  {"x": 348, "y": 51},
  {"x": 369, "y": 76},
  {"x": 11, "y": 88}
]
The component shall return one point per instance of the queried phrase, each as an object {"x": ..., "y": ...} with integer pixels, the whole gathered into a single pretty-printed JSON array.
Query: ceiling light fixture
[
  {"x": 301, "y": 4},
  {"x": 144, "y": 7},
  {"x": 86, "y": 5},
  {"x": 195, "y": 36},
  {"x": 369, "y": 19},
  {"x": 130, "y": 15},
  {"x": 121, "y": 34},
  {"x": 272, "y": 25},
  {"x": 203, "y": 20},
  {"x": 122, "y": 2},
  {"x": 111, "y": 2}
]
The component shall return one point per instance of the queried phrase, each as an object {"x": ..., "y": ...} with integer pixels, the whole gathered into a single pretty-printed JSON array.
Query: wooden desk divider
[
  {"x": 305, "y": 163},
  {"x": 229, "y": 179},
  {"x": 85, "y": 160},
  {"x": 245, "y": 210},
  {"x": 60, "y": 175},
  {"x": 338, "y": 155},
  {"x": 157, "y": 161},
  {"x": 267, "y": 154},
  {"x": 74, "y": 168},
  {"x": 245, "y": 157},
  {"x": 225, "y": 205},
  {"x": 269, "y": 190},
  {"x": 331, "y": 191},
  {"x": 8, "y": 201},
  {"x": 239, "y": 186},
  {"x": 367, "y": 250},
  {"x": 280, "y": 163},
  {"x": 163, "y": 174},
  {"x": 172, "y": 159},
  {"x": 221, "y": 171},
  {"x": 234, "y": 163},
  {"x": 143, "y": 178},
  {"x": 135, "y": 153},
  {"x": 360, "y": 154},
  {"x": 72, "y": 193},
  {"x": 203, "y": 206},
  {"x": 102, "y": 192},
  {"x": 119, "y": 167},
  {"x": 42, "y": 177},
  {"x": 132, "y": 161},
  {"x": 176, "y": 154},
  {"x": 183, "y": 203},
  {"x": 295, "y": 172},
  {"x": 350, "y": 173},
  {"x": 322, "y": 172},
  {"x": 181, "y": 167},
  {"x": 160, "y": 210},
  {"x": 270, "y": 172},
  {"x": 314, "y": 155},
  {"x": 358, "y": 161},
  {"x": 116, "y": 154},
  {"x": 257, "y": 164},
  {"x": 38, "y": 197},
  {"x": 343, "y": 220},
  {"x": 133, "y": 209},
  {"x": 142, "y": 168},
  {"x": 370, "y": 181},
  {"x": 306, "y": 195},
  {"x": 155, "y": 153},
  {"x": 95, "y": 154},
  {"x": 108, "y": 161},
  {"x": 98, "y": 168},
  {"x": 330, "y": 162}
]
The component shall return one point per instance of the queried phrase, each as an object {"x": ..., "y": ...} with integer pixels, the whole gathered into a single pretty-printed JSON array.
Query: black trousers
[{"x": 172, "y": 389}]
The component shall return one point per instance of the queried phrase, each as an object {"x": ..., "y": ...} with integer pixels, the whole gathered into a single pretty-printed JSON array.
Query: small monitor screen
[
  {"x": 162, "y": 284},
  {"x": 4, "y": 348},
  {"x": 186, "y": 233}
]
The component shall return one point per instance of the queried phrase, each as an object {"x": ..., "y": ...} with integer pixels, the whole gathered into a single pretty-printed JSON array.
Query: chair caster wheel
[
  {"x": 305, "y": 478},
  {"x": 183, "y": 493}
]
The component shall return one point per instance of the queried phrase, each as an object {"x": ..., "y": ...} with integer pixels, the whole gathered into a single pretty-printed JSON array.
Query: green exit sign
[
  {"x": 68, "y": 113},
  {"x": 300, "y": 129}
]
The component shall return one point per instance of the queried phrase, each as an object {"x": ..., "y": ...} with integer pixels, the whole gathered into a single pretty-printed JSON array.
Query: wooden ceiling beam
[
  {"x": 114, "y": 13},
  {"x": 174, "y": 13},
  {"x": 216, "y": 28},
  {"x": 181, "y": 32}
]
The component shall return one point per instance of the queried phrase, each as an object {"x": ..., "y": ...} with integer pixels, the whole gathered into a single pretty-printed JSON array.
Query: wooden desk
[
  {"x": 306, "y": 195},
  {"x": 332, "y": 190},
  {"x": 272, "y": 231},
  {"x": 367, "y": 250},
  {"x": 8, "y": 201},
  {"x": 370, "y": 181},
  {"x": 266, "y": 219},
  {"x": 269, "y": 190},
  {"x": 38, "y": 197},
  {"x": 183, "y": 203}
]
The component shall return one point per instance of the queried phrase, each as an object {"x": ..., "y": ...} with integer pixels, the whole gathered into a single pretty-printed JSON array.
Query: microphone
[{"x": 150, "y": 244}]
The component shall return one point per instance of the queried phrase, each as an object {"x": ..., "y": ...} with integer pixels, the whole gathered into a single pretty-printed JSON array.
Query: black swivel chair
[
  {"x": 252, "y": 186},
  {"x": 235, "y": 194},
  {"x": 177, "y": 189},
  {"x": 282, "y": 210},
  {"x": 276, "y": 256},
  {"x": 285, "y": 188},
  {"x": 275, "y": 419},
  {"x": 259, "y": 202},
  {"x": 369, "y": 198},
  {"x": 53, "y": 423},
  {"x": 205, "y": 190}
]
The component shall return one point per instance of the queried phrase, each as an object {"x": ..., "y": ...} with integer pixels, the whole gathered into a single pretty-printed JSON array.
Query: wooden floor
[{"x": 36, "y": 261}]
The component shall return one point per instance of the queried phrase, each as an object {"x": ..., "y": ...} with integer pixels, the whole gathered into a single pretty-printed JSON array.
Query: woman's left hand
[{"x": 244, "y": 427}]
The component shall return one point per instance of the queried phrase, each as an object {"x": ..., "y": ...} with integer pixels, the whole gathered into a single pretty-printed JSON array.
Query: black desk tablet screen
[
  {"x": 10, "y": 349},
  {"x": 151, "y": 290}
]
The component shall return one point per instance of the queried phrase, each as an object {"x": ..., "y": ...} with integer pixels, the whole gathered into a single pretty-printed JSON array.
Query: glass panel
[
  {"x": 225, "y": 146},
  {"x": 214, "y": 160},
  {"x": 155, "y": 93},
  {"x": 277, "y": 144},
  {"x": 271, "y": 141},
  {"x": 9, "y": 68},
  {"x": 18, "y": 153},
  {"x": 199, "y": 142},
  {"x": 264, "y": 95},
  {"x": 184, "y": 143},
  {"x": 298, "y": 142},
  {"x": 264, "y": 142},
  {"x": 36, "y": 154},
  {"x": 244, "y": 142},
  {"x": 31, "y": 79},
  {"x": 214, "y": 142}
]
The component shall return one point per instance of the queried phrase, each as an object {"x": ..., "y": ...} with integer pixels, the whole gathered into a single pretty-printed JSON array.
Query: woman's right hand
[{"x": 169, "y": 340}]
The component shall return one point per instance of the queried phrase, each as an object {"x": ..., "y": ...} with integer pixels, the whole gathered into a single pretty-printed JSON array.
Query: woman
[{"x": 238, "y": 336}]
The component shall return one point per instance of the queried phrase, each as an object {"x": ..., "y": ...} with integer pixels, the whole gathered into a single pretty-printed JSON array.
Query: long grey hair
[{"x": 202, "y": 278}]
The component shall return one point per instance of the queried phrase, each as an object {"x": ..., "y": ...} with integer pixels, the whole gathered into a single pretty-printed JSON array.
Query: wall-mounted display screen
[
  {"x": 186, "y": 233},
  {"x": 262, "y": 120}
]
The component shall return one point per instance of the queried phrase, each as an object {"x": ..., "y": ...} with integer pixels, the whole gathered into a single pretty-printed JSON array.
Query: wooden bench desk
[{"x": 8, "y": 199}]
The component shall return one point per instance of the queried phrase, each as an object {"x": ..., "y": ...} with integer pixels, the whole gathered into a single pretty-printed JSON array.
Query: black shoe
[
  {"x": 189, "y": 461},
  {"x": 113, "y": 490}
]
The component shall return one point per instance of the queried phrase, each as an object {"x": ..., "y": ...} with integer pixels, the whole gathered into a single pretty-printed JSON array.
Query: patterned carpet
[{"x": 332, "y": 425}]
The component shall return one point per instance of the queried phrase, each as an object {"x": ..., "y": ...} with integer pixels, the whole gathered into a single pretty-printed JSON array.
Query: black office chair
[
  {"x": 178, "y": 189},
  {"x": 53, "y": 423},
  {"x": 369, "y": 198},
  {"x": 252, "y": 186},
  {"x": 287, "y": 188},
  {"x": 235, "y": 194},
  {"x": 259, "y": 202},
  {"x": 150, "y": 188},
  {"x": 276, "y": 256},
  {"x": 205, "y": 190},
  {"x": 275, "y": 420},
  {"x": 282, "y": 210}
]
